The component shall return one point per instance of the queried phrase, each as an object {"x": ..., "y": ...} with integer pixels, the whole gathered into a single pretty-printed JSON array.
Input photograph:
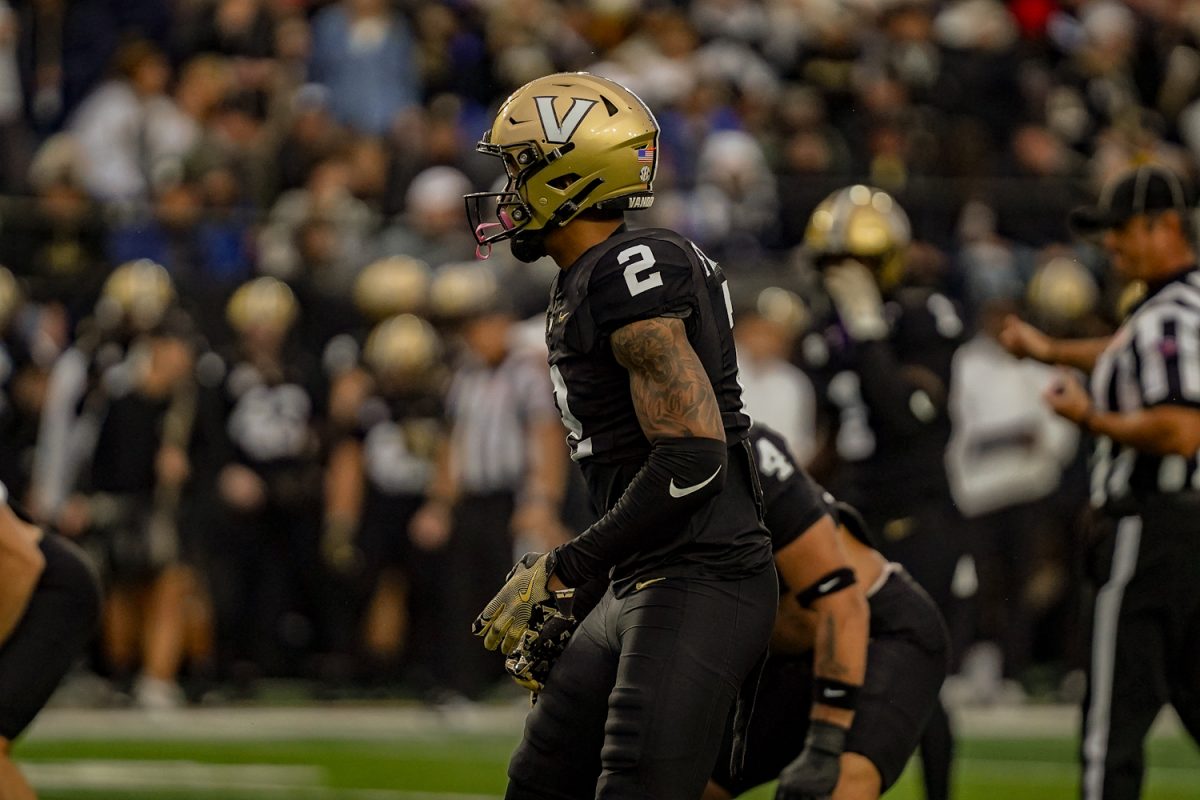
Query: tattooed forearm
[
  {"x": 828, "y": 665},
  {"x": 671, "y": 391}
]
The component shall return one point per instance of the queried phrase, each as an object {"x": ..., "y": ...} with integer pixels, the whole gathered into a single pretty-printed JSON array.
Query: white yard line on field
[
  {"x": 398, "y": 722},
  {"x": 267, "y": 780}
]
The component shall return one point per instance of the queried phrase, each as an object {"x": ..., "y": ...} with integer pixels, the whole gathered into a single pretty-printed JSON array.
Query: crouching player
[
  {"x": 49, "y": 605},
  {"x": 858, "y": 738}
]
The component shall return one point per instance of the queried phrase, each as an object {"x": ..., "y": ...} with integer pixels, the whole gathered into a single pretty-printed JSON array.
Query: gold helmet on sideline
[
  {"x": 265, "y": 303},
  {"x": 462, "y": 290},
  {"x": 402, "y": 346},
  {"x": 10, "y": 297},
  {"x": 394, "y": 285},
  {"x": 784, "y": 308},
  {"x": 1062, "y": 289},
  {"x": 137, "y": 293},
  {"x": 569, "y": 142},
  {"x": 865, "y": 224}
]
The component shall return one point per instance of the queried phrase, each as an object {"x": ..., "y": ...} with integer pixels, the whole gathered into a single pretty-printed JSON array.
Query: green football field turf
[{"x": 442, "y": 764}]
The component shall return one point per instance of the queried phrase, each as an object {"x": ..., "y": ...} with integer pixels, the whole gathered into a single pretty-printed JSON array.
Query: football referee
[{"x": 1144, "y": 412}]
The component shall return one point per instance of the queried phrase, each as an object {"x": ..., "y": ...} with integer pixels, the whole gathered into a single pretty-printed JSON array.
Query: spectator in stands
[
  {"x": 129, "y": 128},
  {"x": 326, "y": 196},
  {"x": 58, "y": 239},
  {"x": 431, "y": 228},
  {"x": 364, "y": 53}
]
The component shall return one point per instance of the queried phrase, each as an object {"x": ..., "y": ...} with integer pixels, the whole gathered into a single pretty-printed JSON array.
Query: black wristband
[
  {"x": 835, "y": 693},
  {"x": 842, "y": 578},
  {"x": 826, "y": 737}
]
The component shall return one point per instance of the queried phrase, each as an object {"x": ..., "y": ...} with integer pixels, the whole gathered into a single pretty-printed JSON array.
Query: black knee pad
[{"x": 58, "y": 623}]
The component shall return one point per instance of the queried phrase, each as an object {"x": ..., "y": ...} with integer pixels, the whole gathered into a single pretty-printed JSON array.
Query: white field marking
[
  {"x": 166, "y": 775},
  {"x": 1017, "y": 771},
  {"x": 384, "y": 724},
  {"x": 219, "y": 779},
  {"x": 323, "y": 722}
]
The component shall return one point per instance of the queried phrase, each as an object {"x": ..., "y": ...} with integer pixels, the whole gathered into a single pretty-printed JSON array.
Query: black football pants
[
  {"x": 636, "y": 706},
  {"x": 1145, "y": 646}
]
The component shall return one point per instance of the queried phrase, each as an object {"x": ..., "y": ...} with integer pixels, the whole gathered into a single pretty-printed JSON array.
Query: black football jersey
[
  {"x": 400, "y": 438},
  {"x": 634, "y": 275},
  {"x": 793, "y": 501},
  {"x": 884, "y": 402}
]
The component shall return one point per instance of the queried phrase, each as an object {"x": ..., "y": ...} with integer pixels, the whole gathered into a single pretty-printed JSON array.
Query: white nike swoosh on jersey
[
  {"x": 824, "y": 587},
  {"x": 678, "y": 492}
]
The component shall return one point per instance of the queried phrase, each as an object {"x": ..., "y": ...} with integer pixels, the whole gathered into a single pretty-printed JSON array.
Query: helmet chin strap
[{"x": 528, "y": 247}]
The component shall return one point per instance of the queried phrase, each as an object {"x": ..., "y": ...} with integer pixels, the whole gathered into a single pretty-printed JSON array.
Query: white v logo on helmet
[{"x": 561, "y": 132}]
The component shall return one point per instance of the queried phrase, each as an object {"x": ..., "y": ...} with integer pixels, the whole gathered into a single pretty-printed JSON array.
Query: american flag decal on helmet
[{"x": 645, "y": 155}]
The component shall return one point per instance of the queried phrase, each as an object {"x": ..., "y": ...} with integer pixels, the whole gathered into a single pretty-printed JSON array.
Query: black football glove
[
  {"x": 508, "y": 615},
  {"x": 814, "y": 773},
  {"x": 540, "y": 646}
]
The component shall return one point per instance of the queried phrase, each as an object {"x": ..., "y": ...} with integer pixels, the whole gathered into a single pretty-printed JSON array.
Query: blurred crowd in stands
[{"x": 247, "y": 360}]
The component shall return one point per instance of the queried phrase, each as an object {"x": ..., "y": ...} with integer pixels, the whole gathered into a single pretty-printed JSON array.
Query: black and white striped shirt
[
  {"x": 490, "y": 409},
  {"x": 1152, "y": 360}
]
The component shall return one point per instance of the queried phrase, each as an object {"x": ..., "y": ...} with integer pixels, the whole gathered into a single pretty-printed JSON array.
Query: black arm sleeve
[
  {"x": 896, "y": 402},
  {"x": 678, "y": 478}
]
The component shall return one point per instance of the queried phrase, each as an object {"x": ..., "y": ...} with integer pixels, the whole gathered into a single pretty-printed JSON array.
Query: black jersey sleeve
[
  {"x": 905, "y": 378},
  {"x": 641, "y": 279},
  {"x": 793, "y": 501}
]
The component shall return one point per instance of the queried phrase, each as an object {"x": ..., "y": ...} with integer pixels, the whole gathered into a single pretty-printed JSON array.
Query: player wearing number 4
[
  {"x": 642, "y": 358},
  {"x": 836, "y": 716}
]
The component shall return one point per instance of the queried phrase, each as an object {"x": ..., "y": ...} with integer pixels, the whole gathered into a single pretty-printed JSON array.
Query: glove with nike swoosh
[
  {"x": 508, "y": 615},
  {"x": 815, "y": 772}
]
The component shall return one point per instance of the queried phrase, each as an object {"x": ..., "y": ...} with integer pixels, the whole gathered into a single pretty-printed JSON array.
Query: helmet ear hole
[{"x": 563, "y": 181}]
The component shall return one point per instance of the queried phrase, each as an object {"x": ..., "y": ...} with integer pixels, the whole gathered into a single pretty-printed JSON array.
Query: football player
[
  {"x": 859, "y": 736},
  {"x": 257, "y": 448},
  {"x": 642, "y": 358},
  {"x": 881, "y": 364},
  {"x": 49, "y": 605},
  {"x": 376, "y": 482}
]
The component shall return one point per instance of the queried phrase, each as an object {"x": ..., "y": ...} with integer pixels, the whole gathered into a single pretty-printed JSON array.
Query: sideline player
[
  {"x": 642, "y": 359},
  {"x": 1144, "y": 411},
  {"x": 49, "y": 606},
  {"x": 905, "y": 660},
  {"x": 881, "y": 364}
]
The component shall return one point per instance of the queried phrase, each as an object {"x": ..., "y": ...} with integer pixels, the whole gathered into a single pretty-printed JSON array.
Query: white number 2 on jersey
[{"x": 637, "y": 260}]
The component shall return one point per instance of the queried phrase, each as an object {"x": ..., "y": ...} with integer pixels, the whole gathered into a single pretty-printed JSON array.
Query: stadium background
[{"x": 228, "y": 139}]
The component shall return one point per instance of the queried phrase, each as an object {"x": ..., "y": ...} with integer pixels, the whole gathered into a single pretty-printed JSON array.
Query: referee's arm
[{"x": 1162, "y": 430}]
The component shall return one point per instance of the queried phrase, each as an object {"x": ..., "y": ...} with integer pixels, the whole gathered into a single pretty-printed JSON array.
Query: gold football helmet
[
  {"x": 402, "y": 347},
  {"x": 137, "y": 293},
  {"x": 862, "y": 223},
  {"x": 1062, "y": 289},
  {"x": 10, "y": 297},
  {"x": 263, "y": 303},
  {"x": 569, "y": 142},
  {"x": 462, "y": 290},
  {"x": 395, "y": 285}
]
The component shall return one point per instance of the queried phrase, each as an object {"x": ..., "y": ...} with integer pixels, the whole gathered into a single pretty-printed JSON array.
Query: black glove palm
[
  {"x": 540, "y": 646},
  {"x": 814, "y": 774}
]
